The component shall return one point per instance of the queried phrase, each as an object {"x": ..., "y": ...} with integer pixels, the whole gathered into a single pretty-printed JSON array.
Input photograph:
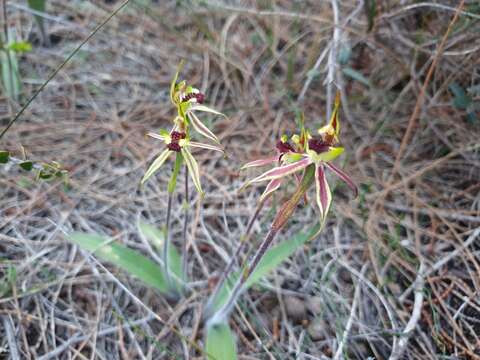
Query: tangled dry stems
[{"x": 410, "y": 264}]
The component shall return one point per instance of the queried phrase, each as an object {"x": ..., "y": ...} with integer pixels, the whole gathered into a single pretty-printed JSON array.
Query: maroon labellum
[
  {"x": 176, "y": 136},
  {"x": 318, "y": 145},
  {"x": 174, "y": 146},
  {"x": 284, "y": 147},
  {"x": 198, "y": 96}
]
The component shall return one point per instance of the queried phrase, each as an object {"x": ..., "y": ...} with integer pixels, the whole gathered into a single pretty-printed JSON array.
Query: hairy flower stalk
[{"x": 280, "y": 220}]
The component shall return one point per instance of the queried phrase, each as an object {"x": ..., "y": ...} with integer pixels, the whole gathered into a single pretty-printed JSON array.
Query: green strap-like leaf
[
  {"x": 156, "y": 165},
  {"x": 128, "y": 260},
  {"x": 157, "y": 237},
  {"x": 272, "y": 258},
  {"x": 221, "y": 343}
]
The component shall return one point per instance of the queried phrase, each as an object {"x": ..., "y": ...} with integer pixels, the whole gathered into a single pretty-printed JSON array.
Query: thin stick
[{"x": 62, "y": 65}]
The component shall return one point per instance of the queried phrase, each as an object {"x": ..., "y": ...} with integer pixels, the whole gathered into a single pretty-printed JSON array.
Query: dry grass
[{"x": 406, "y": 252}]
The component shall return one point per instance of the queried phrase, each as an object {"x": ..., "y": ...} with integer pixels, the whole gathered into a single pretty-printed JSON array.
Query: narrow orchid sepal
[
  {"x": 157, "y": 163},
  {"x": 324, "y": 195},
  {"x": 272, "y": 186},
  {"x": 282, "y": 171},
  {"x": 204, "y": 108},
  {"x": 162, "y": 137},
  {"x": 205, "y": 146},
  {"x": 193, "y": 170},
  {"x": 201, "y": 128},
  {"x": 342, "y": 175},
  {"x": 173, "y": 84},
  {"x": 260, "y": 162}
]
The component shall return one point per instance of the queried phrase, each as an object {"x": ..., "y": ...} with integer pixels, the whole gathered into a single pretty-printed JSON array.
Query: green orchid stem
[
  {"x": 280, "y": 220},
  {"x": 185, "y": 224},
  {"x": 166, "y": 245},
  {"x": 227, "y": 272}
]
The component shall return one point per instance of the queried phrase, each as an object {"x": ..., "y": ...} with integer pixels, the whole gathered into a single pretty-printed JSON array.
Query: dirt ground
[{"x": 396, "y": 272}]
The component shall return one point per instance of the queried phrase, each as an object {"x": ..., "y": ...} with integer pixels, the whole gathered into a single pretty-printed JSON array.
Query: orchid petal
[
  {"x": 260, "y": 162},
  {"x": 193, "y": 169},
  {"x": 342, "y": 175},
  {"x": 324, "y": 196},
  {"x": 271, "y": 187},
  {"x": 334, "y": 120},
  {"x": 201, "y": 128},
  {"x": 157, "y": 163},
  {"x": 329, "y": 155},
  {"x": 158, "y": 136},
  {"x": 282, "y": 171},
  {"x": 174, "y": 81},
  {"x": 204, "y": 108},
  {"x": 205, "y": 146}
]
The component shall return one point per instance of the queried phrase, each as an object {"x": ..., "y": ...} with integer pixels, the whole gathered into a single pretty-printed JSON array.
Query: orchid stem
[
  {"x": 172, "y": 184},
  {"x": 166, "y": 243},
  {"x": 280, "y": 220},
  {"x": 227, "y": 272},
  {"x": 185, "y": 224}
]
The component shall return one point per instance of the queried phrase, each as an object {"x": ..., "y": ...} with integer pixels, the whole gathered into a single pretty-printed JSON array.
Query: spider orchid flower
[
  {"x": 178, "y": 142},
  {"x": 189, "y": 100},
  {"x": 319, "y": 151},
  {"x": 285, "y": 151}
]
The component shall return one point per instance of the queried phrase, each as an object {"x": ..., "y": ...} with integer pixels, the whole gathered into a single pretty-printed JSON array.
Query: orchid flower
[
  {"x": 178, "y": 142},
  {"x": 320, "y": 151},
  {"x": 187, "y": 101}
]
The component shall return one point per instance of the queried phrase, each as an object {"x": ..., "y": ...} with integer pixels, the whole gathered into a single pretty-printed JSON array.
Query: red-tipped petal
[
  {"x": 260, "y": 162},
  {"x": 271, "y": 187},
  {"x": 282, "y": 171},
  {"x": 344, "y": 177}
]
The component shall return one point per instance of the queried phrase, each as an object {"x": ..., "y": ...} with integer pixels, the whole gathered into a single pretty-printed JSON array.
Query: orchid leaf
[
  {"x": 157, "y": 237},
  {"x": 128, "y": 260},
  {"x": 272, "y": 258},
  {"x": 221, "y": 343},
  {"x": 157, "y": 163}
]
